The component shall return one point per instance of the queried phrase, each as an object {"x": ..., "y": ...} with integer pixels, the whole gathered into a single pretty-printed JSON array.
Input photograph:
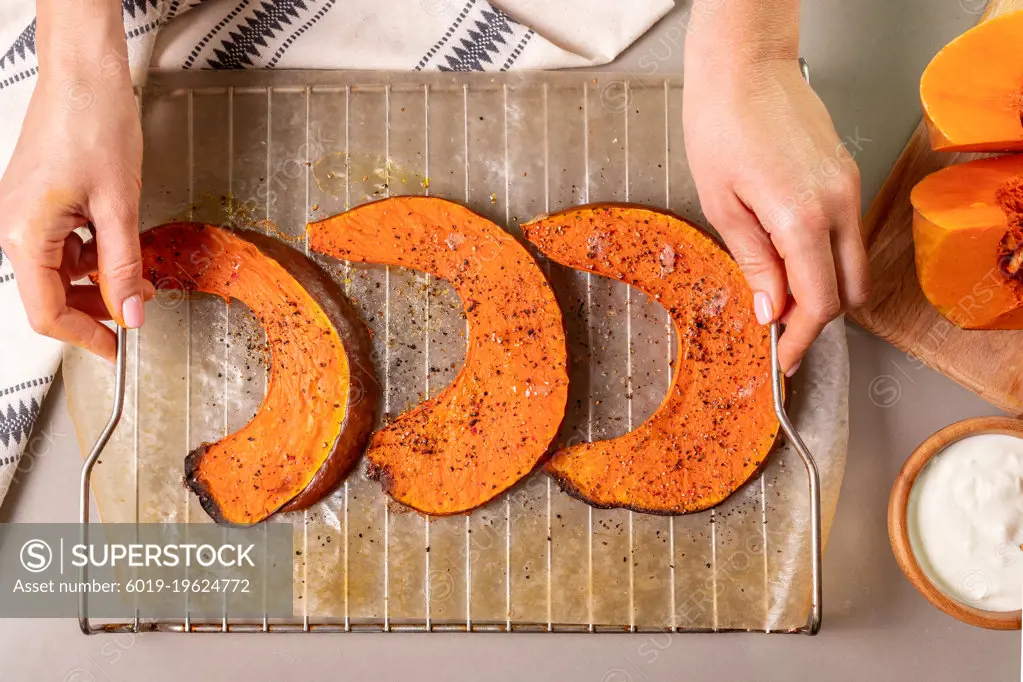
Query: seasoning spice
[
  {"x": 316, "y": 361},
  {"x": 494, "y": 422},
  {"x": 717, "y": 423}
]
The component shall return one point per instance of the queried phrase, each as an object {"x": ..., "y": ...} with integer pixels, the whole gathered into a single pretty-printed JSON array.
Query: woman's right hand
[{"x": 77, "y": 161}]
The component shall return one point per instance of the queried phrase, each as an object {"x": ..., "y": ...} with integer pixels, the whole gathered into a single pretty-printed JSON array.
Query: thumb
[
  {"x": 115, "y": 218},
  {"x": 752, "y": 249}
]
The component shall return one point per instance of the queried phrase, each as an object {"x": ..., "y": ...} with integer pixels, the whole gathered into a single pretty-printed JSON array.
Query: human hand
[
  {"x": 77, "y": 161},
  {"x": 781, "y": 189}
]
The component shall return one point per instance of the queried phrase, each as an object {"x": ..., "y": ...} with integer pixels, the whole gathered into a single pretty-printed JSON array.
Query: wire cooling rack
[{"x": 510, "y": 147}]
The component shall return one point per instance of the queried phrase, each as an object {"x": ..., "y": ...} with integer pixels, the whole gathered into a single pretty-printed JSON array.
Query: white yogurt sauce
[{"x": 965, "y": 520}]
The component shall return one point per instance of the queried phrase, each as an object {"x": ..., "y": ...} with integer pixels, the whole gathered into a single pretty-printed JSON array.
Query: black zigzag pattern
[
  {"x": 139, "y": 8},
  {"x": 23, "y": 46},
  {"x": 327, "y": 5},
  {"x": 212, "y": 33},
  {"x": 238, "y": 50},
  {"x": 16, "y": 424},
  {"x": 483, "y": 39}
]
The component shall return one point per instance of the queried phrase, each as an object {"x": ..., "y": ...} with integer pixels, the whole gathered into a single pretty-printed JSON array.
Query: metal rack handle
[
  {"x": 120, "y": 364},
  {"x": 813, "y": 625}
]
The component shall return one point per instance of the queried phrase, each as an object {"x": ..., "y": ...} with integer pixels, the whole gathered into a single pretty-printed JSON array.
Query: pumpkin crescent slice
[
  {"x": 717, "y": 422},
  {"x": 320, "y": 399},
  {"x": 968, "y": 240},
  {"x": 496, "y": 420},
  {"x": 972, "y": 91}
]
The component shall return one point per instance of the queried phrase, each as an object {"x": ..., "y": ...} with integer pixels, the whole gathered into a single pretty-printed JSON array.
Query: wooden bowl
[{"x": 898, "y": 528}]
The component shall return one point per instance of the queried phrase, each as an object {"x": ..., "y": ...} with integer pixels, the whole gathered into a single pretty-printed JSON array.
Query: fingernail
[
  {"x": 793, "y": 369},
  {"x": 132, "y": 312},
  {"x": 762, "y": 307}
]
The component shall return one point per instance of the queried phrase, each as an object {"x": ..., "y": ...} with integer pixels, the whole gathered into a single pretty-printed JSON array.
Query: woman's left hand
[{"x": 782, "y": 190}]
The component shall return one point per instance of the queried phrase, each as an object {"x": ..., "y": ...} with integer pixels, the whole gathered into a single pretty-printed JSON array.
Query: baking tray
[{"x": 272, "y": 150}]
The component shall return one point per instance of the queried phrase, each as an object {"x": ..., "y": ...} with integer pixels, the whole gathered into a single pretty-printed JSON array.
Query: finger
[
  {"x": 120, "y": 257},
  {"x": 852, "y": 267},
  {"x": 800, "y": 332},
  {"x": 88, "y": 299},
  {"x": 810, "y": 267},
  {"x": 752, "y": 249},
  {"x": 790, "y": 306},
  {"x": 79, "y": 257},
  {"x": 45, "y": 302},
  {"x": 851, "y": 263}
]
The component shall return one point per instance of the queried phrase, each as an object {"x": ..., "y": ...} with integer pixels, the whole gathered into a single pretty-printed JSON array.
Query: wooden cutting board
[{"x": 990, "y": 363}]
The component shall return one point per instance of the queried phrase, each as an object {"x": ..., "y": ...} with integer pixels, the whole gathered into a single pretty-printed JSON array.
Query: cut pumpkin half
[
  {"x": 972, "y": 91},
  {"x": 717, "y": 422},
  {"x": 493, "y": 424},
  {"x": 320, "y": 400},
  {"x": 968, "y": 237}
]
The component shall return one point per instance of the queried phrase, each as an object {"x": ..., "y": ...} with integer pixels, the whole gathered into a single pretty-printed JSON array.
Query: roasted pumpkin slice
[
  {"x": 491, "y": 426},
  {"x": 972, "y": 91},
  {"x": 717, "y": 423},
  {"x": 320, "y": 400},
  {"x": 968, "y": 238}
]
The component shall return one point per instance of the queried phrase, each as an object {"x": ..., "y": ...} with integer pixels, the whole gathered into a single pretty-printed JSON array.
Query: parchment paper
[{"x": 510, "y": 148}]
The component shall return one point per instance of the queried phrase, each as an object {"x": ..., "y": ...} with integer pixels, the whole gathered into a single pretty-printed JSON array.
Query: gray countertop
[{"x": 866, "y": 59}]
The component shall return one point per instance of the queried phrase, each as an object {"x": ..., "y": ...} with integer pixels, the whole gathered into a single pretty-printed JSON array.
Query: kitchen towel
[{"x": 452, "y": 35}]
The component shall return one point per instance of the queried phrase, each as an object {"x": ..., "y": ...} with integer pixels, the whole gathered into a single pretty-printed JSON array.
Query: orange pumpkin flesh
[
  {"x": 716, "y": 424},
  {"x": 968, "y": 236},
  {"x": 972, "y": 91},
  {"x": 492, "y": 425},
  {"x": 320, "y": 399}
]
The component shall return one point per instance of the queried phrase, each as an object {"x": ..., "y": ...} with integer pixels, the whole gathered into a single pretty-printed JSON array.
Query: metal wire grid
[{"x": 429, "y": 623}]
